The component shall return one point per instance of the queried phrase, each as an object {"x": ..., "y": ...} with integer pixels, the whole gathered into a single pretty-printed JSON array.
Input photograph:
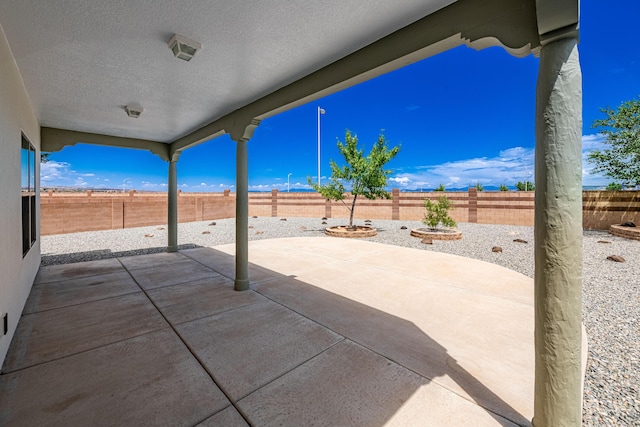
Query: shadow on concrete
[
  {"x": 390, "y": 336},
  {"x": 352, "y": 369},
  {"x": 99, "y": 254}
]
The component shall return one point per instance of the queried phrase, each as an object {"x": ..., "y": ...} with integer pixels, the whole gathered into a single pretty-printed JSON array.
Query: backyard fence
[{"x": 65, "y": 212}]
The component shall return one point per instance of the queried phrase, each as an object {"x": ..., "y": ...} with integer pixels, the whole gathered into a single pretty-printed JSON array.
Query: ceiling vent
[
  {"x": 183, "y": 48},
  {"x": 133, "y": 110}
]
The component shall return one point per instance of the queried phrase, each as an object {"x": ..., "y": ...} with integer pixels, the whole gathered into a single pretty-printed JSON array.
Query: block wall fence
[{"x": 63, "y": 212}]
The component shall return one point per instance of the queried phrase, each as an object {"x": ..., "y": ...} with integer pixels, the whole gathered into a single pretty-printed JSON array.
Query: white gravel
[{"x": 611, "y": 291}]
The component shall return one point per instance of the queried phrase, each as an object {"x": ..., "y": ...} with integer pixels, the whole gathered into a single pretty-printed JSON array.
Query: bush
[
  {"x": 438, "y": 213},
  {"x": 613, "y": 186},
  {"x": 504, "y": 187},
  {"x": 525, "y": 186},
  {"x": 479, "y": 187},
  {"x": 440, "y": 188}
]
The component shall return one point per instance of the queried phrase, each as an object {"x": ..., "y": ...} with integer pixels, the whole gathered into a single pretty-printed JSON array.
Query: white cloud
[
  {"x": 593, "y": 142},
  {"x": 508, "y": 167},
  {"x": 53, "y": 171},
  {"x": 402, "y": 181},
  {"x": 278, "y": 186},
  {"x": 590, "y": 143}
]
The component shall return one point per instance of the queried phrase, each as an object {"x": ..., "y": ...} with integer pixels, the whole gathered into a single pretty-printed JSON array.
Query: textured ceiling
[{"x": 82, "y": 61}]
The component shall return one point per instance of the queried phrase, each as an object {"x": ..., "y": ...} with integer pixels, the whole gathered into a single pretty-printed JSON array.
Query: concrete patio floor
[{"x": 335, "y": 332}]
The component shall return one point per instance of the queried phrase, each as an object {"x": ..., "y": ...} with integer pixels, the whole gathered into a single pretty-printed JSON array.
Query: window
[{"x": 28, "y": 184}]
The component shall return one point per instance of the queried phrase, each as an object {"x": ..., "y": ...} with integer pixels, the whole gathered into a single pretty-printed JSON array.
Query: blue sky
[{"x": 461, "y": 117}]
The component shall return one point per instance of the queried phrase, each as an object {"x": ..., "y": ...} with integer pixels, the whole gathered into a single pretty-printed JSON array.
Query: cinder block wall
[
  {"x": 600, "y": 209},
  {"x": 505, "y": 207},
  {"x": 71, "y": 212}
]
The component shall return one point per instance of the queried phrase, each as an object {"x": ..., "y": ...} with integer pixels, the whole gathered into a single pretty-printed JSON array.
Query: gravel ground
[{"x": 611, "y": 291}]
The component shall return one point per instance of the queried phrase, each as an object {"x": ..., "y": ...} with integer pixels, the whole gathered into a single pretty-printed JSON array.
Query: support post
[
  {"x": 172, "y": 220},
  {"x": 558, "y": 237},
  {"x": 241, "y": 135},
  {"x": 242, "y": 216}
]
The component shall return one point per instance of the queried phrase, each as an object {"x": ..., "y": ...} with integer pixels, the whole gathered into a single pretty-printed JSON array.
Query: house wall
[{"x": 16, "y": 117}]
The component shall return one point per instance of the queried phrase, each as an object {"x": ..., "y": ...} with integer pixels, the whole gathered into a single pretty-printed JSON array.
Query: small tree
[
  {"x": 504, "y": 187},
  {"x": 479, "y": 187},
  {"x": 622, "y": 131},
  {"x": 438, "y": 213},
  {"x": 366, "y": 175},
  {"x": 440, "y": 188},
  {"x": 525, "y": 186}
]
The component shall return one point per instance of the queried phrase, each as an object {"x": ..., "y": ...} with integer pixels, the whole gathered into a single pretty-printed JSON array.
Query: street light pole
[
  {"x": 288, "y": 176},
  {"x": 320, "y": 111}
]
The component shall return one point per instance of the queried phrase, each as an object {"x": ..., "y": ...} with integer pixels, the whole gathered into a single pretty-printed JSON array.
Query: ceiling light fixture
[
  {"x": 133, "y": 110},
  {"x": 183, "y": 48}
]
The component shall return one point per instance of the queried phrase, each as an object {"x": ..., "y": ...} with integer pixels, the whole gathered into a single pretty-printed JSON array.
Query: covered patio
[
  {"x": 332, "y": 332},
  {"x": 72, "y": 70}
]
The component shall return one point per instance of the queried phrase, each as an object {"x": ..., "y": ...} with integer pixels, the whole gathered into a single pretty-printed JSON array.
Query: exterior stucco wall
[{"x": 16, "y": 117}]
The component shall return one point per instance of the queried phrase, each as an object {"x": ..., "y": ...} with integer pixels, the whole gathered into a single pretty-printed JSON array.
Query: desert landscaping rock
[
  {"x": 324, "y": 218},
  {"x": 520, "y": 241},
  {"x": 604, "y": 241},
  {"x": 496, "y": 249},
  {"x": 283, "y": 219},
  {"x": 160, "y": 228},
  {"x": 628, "y": 224},
  {"x": 148, "y": 235},
  {"x": 615, "y": 258},
  {"x": 610, "y": 291},
  {"x": 212, "y": 223},
  {"x": 206, "y": 232},
  {"x": 324, "y": 223},
  {"x": 404, "y": 227},
  {"x": 427, "y": 241}
]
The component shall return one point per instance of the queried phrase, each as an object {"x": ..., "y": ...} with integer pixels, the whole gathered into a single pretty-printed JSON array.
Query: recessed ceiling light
[
  {"x": 133, "y": 110},
  {"x": 183, "y": 48}
]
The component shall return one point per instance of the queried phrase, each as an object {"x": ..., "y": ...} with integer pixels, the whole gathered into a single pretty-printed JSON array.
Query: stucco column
[
  {"x": 558, "y": 237},
  {"x": 242, "y": 216},
  {"x": 172, "y": 220}
]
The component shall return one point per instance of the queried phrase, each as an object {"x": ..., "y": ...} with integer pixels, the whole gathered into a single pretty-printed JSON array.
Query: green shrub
[
  {"x": 440, "y": 188},
  {"x": 613, "y": 186},
  {"x": 438, "y": 213},
  {"x": 479, "y": 187},
  {"x": 504, "y": 187},
  {"x": 525, "y": 186}
]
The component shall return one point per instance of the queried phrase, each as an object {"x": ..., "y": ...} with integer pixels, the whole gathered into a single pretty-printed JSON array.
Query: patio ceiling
[{"x": 83, "y": 61}]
